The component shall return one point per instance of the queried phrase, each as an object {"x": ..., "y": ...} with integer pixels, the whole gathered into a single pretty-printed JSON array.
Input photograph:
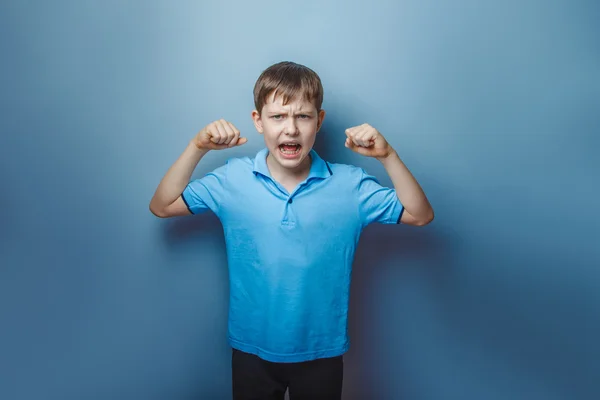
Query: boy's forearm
[
  {"x": 177, "y": 177},
  {"x": 409, "y": 191}
]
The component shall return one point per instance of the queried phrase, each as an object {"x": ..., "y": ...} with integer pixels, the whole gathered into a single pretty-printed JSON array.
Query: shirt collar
[{"x": 318, "y": 167}]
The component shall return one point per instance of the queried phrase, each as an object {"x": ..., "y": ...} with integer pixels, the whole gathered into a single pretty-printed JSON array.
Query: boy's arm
[
  {"x": 417, "y": 210},
  {"x": 167, "y": 200},
  {"x": 367, "y": 141}
]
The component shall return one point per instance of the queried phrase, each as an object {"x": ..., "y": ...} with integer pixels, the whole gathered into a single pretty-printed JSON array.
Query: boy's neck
[{"x": 287, "y": 176}]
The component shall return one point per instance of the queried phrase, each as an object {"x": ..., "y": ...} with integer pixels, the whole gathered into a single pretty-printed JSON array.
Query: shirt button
[{"x": 290, "y": 201}]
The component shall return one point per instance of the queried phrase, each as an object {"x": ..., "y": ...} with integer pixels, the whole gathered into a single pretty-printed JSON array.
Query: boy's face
[{"x": 289, "y": 130}]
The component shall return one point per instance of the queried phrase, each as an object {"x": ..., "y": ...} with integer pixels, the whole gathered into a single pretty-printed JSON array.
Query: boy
[{"x": 291, "y": 222}]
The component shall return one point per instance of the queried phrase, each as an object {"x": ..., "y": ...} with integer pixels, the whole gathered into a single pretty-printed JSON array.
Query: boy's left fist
[{"x": 367, "y": 141}]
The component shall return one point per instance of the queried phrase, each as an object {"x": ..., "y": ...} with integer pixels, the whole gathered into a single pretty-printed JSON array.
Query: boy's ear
[
  {"x": 257, "y": 121},
  {"x": 320, "y": 119}
]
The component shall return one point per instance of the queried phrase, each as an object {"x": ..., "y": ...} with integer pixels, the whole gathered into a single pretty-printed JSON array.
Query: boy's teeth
[{"x": 289, "y": 148}]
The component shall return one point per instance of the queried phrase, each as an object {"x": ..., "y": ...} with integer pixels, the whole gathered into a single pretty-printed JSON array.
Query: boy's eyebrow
[{"x": 285, "y": 112}]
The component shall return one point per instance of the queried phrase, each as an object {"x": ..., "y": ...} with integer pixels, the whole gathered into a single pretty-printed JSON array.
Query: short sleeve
[
  {"x": 206, "y": 193},
  {"x": 376, "y": 202}
]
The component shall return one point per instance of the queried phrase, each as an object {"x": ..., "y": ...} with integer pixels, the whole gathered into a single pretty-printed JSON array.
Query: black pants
[{"x": 257, "y": 379}]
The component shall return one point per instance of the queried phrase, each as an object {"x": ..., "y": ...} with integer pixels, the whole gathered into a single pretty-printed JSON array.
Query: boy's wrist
[
  {"x": 388, "y": 156},
  {"x": 197, "y": 150}
]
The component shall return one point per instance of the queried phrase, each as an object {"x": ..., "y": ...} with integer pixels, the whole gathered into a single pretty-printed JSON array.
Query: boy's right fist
[{"x": 219, "y": 135}]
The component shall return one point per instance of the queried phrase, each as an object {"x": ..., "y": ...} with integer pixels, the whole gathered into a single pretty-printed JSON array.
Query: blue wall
[{"x": 492, "y": 105}]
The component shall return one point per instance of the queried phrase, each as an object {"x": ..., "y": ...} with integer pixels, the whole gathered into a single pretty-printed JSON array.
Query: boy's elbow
[
  {"x": 430, "y": 217},
  {"x": 175, "y": 209},
  {"x": 158, "y": 212},
  {"x": 427, "y": 219}
]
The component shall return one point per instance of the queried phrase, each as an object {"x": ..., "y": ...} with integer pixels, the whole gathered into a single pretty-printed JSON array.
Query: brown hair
[{"x": 289, "y": 80}]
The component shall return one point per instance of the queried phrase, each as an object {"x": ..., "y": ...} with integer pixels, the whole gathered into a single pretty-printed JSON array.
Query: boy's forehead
[{"x": 275, "y": 102}]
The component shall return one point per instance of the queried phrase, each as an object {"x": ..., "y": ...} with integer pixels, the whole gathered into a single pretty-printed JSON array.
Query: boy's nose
[{"x": 290, "y": 127}]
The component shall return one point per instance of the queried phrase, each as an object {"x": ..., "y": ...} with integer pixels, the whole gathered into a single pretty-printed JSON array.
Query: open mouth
[{"x": 290, "y": 149}]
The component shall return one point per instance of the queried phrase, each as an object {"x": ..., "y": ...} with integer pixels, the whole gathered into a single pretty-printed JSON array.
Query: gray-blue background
[{"x": 494, "y": 106}]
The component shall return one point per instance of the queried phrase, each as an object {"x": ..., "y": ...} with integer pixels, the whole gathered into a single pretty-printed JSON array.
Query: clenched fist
[
  {"x": 218, "y": 135},
  {"x": 367, "y": 141}
]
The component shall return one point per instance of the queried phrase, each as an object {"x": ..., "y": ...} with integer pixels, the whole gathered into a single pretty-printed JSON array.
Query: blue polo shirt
[{"x": 290, "y": 255}]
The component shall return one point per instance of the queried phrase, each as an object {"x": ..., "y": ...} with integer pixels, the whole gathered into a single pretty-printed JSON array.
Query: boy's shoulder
[
  {"x": 352, "y": 175},
  {"x": 243, "y": 164},
  {"x": 344, "y": 169},
  {"x": 349, "y": 174},
  {"x": 240, "y": 161}
]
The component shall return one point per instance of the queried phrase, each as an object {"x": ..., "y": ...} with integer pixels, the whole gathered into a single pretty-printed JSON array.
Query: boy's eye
[{"x": 279, "y": 116}]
